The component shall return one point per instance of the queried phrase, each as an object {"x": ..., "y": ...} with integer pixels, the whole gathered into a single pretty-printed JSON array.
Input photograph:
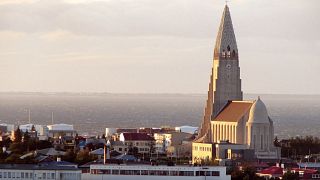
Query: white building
[
  {"x": 8, "y": 127},
  {"x": 62, "y": 135},
  {"x": 31, "y": 171},
  {"x": 171, "y": 140},
  {"x": 148, "y": 172},
  {"x": 42, "y": 130},
  {"x": 61, "y": 127}
]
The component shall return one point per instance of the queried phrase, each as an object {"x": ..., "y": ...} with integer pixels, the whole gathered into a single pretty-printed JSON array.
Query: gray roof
[
  {"x": 50, "y": 152},
  {"x": 36, "y": 167},
  {"x": 117, "y": 143},
  {"x": 126, "y": 157},
  {"x": 99, "y": 151}
]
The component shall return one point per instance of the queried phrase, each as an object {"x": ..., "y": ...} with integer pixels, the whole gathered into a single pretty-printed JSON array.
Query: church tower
[
  {"x": 225, "y": 82},
  {"x": 226, "y": 70}
]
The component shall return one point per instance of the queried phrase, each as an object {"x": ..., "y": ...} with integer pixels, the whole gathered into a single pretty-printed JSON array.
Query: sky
[{"x": 155, "y": 46}]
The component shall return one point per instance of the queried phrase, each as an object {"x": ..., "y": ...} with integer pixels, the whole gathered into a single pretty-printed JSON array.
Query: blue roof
[
  {"x": 99, "y": 151},
  {"x": 126, "y": 157},
  {"x": 58, "y": 163}
]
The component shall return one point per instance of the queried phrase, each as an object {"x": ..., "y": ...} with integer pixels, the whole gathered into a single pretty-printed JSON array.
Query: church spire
[{"x": 226, "y": 44}]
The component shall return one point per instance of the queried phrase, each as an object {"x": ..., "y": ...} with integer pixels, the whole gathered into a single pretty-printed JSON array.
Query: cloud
[
  {"x": 144, "y": 43},
  {"x": 5, "y": 2}
]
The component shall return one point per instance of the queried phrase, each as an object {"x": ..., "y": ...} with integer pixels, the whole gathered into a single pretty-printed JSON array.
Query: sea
[{"x": 91, "y": 113}]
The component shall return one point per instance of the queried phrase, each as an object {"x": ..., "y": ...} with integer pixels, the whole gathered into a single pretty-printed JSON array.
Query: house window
[{"x": 120, "y": 149}]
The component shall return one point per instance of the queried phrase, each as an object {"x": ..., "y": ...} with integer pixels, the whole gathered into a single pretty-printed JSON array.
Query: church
[{"x": 230, "y": 124}]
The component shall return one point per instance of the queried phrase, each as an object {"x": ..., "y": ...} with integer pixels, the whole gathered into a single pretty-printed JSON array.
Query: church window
[
  {"x": 233, "y": 53},
  {"x": 228, "y": 52},
  {"x": 223, "y": 54}
]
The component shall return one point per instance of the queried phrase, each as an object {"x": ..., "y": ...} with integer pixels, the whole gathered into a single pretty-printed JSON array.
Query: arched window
[
  {"x": 228, "y": 52},
  {"x": 223, "y": 53},
  {"x": 233, "y": 53}
]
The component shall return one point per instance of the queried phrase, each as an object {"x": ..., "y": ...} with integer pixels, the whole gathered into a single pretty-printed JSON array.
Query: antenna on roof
[
  {"x": 52, "y": 117},
  {"x": 29, "y": 116}
]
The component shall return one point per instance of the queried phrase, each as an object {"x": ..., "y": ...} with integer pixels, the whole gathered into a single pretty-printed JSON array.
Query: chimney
[{"x": 106, "y": 152}]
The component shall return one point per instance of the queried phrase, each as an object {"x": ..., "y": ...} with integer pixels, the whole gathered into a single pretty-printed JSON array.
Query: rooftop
[
  {"x": 234, "y": 111},
  {"x": 37, "y": 167},
  {"x": 137, "y": 137}
]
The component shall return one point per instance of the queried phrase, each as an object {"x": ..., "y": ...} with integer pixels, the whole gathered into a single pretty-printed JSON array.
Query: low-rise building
[
  {"x": 57, "y": 171},
  {"x": 142, "y": 141},
  {"x": 202, "y": 153},
  {"x": 62, "y": 136},
  {"x": 173, "y": 144},
  {"x": 119, "y": 147},
  {"x": 148, "y": 172}
]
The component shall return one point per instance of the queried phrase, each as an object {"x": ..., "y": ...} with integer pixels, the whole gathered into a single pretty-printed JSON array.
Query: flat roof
[{"x": 37, "y": 167}]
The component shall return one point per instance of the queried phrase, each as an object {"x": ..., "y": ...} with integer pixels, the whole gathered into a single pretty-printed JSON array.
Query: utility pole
[
  {"x": 52, "y": 117},
  {"x": 29, "y": 116}
]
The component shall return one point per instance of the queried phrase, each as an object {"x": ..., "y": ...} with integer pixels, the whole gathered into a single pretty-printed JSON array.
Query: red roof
[
  {"x": 137, "y": 137},
  {"x": 274, "y": 170},
  {"x": 305, "y": 171}
]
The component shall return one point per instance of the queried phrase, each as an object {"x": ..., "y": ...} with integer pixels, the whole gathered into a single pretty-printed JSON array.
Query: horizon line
[{"x": 138, "y": 93}]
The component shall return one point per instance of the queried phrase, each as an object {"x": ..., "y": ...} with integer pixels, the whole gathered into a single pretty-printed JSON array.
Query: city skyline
[{"x": 138, "y": 46}]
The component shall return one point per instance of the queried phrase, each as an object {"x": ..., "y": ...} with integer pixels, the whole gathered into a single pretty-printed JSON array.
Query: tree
[
  {"x": 83, "y": 157},
  {"x": 69, "y": 156},
  {"x": 26, "y": 137},
  {"x": 290, "y": 176},
  {"x": 33, "y": 129},
  {"x": 133, "y": 151},
  {"x": 17, "y": 135},
  {"x": 248, "y": 173},
  {"x": 152, "y": 147},
  {"x": 276, "y": 142}
]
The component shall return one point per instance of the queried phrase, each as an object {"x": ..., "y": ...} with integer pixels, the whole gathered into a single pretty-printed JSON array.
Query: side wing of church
[{"x": 230, "y": 123}]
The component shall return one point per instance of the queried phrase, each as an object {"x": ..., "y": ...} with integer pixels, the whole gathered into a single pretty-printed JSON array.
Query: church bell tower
[
  {"x": 226, "y": 71},
  {"x": 225, "y": 82}
]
